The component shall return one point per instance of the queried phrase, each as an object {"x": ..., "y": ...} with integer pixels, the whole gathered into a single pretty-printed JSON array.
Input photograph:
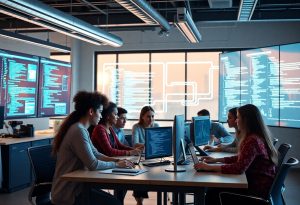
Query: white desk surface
[
  {"x": 158, "y": 176},
  {"x": 38, "y": 135}
]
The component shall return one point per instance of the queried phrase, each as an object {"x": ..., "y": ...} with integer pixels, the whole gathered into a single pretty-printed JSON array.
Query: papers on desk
[{"x": 123, "y": 171}]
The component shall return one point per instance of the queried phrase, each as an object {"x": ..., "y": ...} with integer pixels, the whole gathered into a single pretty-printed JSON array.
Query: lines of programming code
[
  {"x": 158, "y": 142},
  {"x": 290, "y": 85},
  {"x": 55, "y": 82},
  {"x": 230, "y": 83},
  {"x": 19, "y": 84},
  {"x": 260, "y": 76},
  {"x": 270, "y": 79}
]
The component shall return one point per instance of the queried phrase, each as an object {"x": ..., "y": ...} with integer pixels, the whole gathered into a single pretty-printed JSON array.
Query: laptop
[
  {"x": 193, "y": 153},
  {"x": 137, "y": 162}
]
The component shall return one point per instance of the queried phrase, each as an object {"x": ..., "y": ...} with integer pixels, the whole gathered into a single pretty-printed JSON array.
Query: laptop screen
[{"x": 193, "y": 153}]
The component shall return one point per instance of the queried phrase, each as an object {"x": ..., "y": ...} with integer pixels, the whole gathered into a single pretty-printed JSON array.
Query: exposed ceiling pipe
[
  {"x": 41, "y": 14},
  {"x": 143, "y": 10}
]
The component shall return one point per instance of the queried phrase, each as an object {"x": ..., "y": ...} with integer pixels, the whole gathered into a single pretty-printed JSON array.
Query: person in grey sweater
[{"x": 74, "y": 150}]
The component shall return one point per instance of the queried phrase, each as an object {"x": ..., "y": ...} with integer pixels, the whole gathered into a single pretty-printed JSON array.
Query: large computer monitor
[
  {"x": 54, "y": 88},
  {"x": 19, "y": 84},
  {"x": 158, "y": 142},
  {"x": 200, "y": 130},
  {"x": 178, "y": 143}
]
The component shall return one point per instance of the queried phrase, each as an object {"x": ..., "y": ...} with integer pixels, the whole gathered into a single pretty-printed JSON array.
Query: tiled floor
[{"x": 292, "y": 195}]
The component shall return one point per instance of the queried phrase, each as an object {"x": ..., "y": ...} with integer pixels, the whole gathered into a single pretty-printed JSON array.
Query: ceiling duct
[
  {"x": 187, "y": 27},
  {"x": 143, "y": 10},
  {"x": 38, "y": 13}
]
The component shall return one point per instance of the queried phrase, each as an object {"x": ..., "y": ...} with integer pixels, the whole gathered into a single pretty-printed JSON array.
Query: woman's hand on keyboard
[{"x": 125, "y": 164}]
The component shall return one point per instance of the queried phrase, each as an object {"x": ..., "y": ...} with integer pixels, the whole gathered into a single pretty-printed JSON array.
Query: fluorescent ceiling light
[
  {"x": 34, "y": 41},
  {"x": 143, "y": 10},
  {"x": 38, "y": 13},
  {"x": 246, "y": 10},
  {"x": 187, "y": 27}
]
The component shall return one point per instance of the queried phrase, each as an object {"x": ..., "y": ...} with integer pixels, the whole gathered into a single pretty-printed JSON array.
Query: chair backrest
[
  {"x": 279, "y": 181},
  {"x": 275, "y": 140},
  {"x": 43, "y": 163},
  {"x": 282, "y": 151}
]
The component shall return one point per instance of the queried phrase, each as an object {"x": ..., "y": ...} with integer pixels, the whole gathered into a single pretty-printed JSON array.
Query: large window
[{"x": 171, "y": 82}]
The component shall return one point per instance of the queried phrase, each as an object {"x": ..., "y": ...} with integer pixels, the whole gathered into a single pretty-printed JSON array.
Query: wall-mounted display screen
[
  {"x": 260, "y": 81},
  {"x": 54, "y": 88},
  {"x": 269, "y": 78},
  {"x": 230, "y": 83},
  {"x": 19, "y": 82},
  {"x": 290, "y": 85}
]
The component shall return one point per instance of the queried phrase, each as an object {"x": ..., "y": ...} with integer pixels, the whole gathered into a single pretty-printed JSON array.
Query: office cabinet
[{"x": 16, "y": 167}]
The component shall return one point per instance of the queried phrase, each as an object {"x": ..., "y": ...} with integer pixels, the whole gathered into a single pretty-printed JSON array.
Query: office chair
[
  {"x": 282, "y": 151},
  {"x": 43, "y": 165},
  {"x": 275, "y": 140},
  {"x": 275, "y": 194}
]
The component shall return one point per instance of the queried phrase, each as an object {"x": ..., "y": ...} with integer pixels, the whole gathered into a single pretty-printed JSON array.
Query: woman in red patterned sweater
[
  {"x": 257, "y": 156},
  {"x": 105, "y": 139}
]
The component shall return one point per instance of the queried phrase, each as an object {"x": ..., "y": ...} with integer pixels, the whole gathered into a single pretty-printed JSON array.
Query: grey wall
[
  {"x": 18, "y": 46},
  {"x": 214, "y": 36}
]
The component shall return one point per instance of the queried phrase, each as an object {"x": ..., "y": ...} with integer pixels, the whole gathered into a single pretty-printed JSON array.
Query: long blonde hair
[{"x": 252, "y": 123}]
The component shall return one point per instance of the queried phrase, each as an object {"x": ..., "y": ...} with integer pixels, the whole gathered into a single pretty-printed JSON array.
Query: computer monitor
[
  {"x": 54, "y": 88},
  {"x": 200, "y": 130},
  {"x": 178, "y": 143},
  {"x": 158, "y": 142},
  {"x": 19, "y": 84}
]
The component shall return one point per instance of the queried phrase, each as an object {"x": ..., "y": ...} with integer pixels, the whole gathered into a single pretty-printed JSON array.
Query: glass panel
[
  {"x": 106, "y": 75},
  {"x": 133, "y": 83},
  {"x": 168, "y": 80},
  {"x": 202, "y": 83},
  {"x": 66, "y": 58}
]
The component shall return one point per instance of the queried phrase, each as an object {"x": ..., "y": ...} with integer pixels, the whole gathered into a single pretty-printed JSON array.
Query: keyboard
[
  {"x": 155, "y": 164},
  {"x": 124, "y": 170}
]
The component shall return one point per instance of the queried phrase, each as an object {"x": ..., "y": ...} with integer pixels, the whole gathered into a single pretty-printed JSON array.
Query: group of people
[{"x": 92, "y": 137}]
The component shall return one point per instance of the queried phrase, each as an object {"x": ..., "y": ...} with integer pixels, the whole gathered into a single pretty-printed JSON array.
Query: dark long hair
[
  {"x": 83, "y": 102},
  {"x": 106, "y": 112},
  {"x": 144, "y": 110},
  {"x": 253, "y": 123}
]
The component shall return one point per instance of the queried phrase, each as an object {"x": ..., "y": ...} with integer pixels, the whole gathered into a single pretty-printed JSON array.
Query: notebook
[{"x": 123, "y": 171}]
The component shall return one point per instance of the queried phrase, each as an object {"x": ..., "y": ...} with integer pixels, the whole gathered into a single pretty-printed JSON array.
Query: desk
[{"x": 156, "y": 179}]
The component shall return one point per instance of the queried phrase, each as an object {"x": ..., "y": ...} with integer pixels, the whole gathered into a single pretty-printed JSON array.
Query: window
[{"x": 171, "y": 82}]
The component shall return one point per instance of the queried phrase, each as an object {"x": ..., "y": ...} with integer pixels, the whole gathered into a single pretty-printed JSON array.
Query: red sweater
[
  {"x": 102, "y": 142},
  {"x": 252, "y": 159}
]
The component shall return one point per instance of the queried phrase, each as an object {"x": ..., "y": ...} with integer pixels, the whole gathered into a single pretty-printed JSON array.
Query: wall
[
  {"x": 214, "y": 36},
  {"x": 39, "y": 123}
]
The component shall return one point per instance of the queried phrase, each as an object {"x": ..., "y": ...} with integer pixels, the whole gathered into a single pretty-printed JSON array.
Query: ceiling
[{"x": 108, "y": 13}]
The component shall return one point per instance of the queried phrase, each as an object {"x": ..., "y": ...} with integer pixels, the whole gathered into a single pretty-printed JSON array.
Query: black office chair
[
  {"x": 275, "y": 140},
  {"x": 275, "y": 194},
  {"x": 282, "y": 151},
  {"x": 43, "y": 165}
]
